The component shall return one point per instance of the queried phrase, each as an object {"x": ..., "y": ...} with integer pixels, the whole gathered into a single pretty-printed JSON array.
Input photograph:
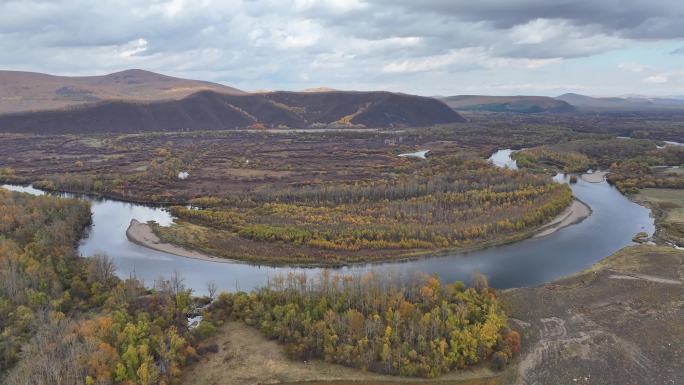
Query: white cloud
[
  {"x": 165, "y": 8},
  {"x": 299, "y": 34},
  {"x": 539, "y": 63},
  {"x": 436, "y": 62},
  {"x": 537, "y": 31},
  {"x": 673, "y": 79},
  {"x": 390, "y": 42},
  {"x": 335, "y": 60},
  {"x": 656, "y": 79},
  {"x": 329, "y": 5},
  {"x": 542, "y": 38},
  {"x": 132, "y": 48},
  {"x": 633, "y": 67},
  {"x": 465, "y": 59}
]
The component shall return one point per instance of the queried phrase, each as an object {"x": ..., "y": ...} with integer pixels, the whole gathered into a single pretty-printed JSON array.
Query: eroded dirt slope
[{"x": 621, "y": 322}]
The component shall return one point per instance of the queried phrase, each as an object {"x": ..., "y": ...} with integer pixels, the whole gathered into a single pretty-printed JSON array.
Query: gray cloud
[
  {"x": 631, "y": 18},
  {"x": 394, "y": 44}
]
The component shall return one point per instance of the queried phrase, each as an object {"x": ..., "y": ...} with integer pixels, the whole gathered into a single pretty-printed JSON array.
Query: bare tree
[
  {"x": 54, "y": 356},
  {"x": 101, "y": 268},
  {"x": 480, "y": 282},
  {"x": 177, "y": 283},
  {"x": 212, "y": 288},
  {"x": 171, "y": 286}
]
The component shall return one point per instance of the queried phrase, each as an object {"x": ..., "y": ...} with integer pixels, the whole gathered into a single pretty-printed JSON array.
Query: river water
[
  {"x": 613, "y": 223},
  {"x": 502, "y": 158}
]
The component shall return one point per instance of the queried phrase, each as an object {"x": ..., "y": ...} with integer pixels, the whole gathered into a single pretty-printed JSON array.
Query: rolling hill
[
  {"x": 622, "y": 104},
  {"x": 28, "y": 91},
  {"x": 209, "y": 110},
  {"x": 519, "y": 104}
]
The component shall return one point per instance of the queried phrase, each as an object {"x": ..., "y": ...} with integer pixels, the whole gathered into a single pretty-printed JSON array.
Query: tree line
[
  {"x": 447, "y": 202},
  {"x": 632, "y": 162},
  {"x": 411, "y": 327},
  {"x": 69, "y": 320}
]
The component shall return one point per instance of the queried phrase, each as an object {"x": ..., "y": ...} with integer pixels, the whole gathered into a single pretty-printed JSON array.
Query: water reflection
[{"x": 502, "y": 158}]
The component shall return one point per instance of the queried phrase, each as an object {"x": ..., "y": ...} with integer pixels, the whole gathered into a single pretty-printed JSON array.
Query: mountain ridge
[
  {"x": 209, "y": 110},
  {"x": 34, "y": 91},
  {"x": 517, "y": 103},
  {"x": 636, "y": 103}
]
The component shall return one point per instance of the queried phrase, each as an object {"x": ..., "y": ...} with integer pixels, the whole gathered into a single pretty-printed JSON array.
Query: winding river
[{"x": 613, "y": 223}]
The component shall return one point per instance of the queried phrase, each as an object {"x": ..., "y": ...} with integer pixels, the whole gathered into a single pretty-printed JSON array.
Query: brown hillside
[
  {"x": 208, "y": 110},
  {"x": 371, "y": 109},
  {"x": 27, "y": 91}
]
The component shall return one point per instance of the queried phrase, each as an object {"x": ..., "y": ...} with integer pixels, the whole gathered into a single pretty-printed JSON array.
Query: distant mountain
[
  {"x": 576, "y": 99},
  {"x": 520, "y": 104},
  {"x": 319, "y": 89},
  {"x": 26, "y": 91},
  {"x": 623, "y": 104},
  {"x": 208, "y": 110}
]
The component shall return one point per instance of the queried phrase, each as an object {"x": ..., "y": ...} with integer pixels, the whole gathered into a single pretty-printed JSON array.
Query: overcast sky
[{"x": 427, "y": 47}]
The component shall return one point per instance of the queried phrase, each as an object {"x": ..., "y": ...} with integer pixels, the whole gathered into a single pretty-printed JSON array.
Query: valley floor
[{"x": 619, "y": 322}]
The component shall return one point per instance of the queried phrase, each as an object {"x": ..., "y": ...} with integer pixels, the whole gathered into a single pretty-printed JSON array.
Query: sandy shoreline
[
  {"x": 575, "y": 213},
  {"x": 594, "y": 177},
  {"x": 142, "y": 234}
]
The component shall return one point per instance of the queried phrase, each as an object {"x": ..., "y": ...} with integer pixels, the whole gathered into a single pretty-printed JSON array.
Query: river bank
[
  {"x": 594, "y": 177},
  {"x": 617, "y": 322},
  {"x": 575, "y": 213},
  {"x": 142, "y": 234}
]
